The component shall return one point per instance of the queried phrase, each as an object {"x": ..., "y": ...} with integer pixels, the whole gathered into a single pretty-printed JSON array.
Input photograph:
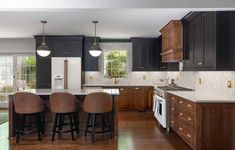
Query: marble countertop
[
  {"x": 199, "y": 97},
  {"x": 114, "y": 85},
  {"x": 72, "y": 91}
]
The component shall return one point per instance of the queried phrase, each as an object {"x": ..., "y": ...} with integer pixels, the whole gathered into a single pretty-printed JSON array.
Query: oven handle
[{"x": 160, "y": 98}]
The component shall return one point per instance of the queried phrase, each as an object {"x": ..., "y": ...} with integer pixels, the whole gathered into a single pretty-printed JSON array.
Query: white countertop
[
  {"x": 72, "y": 91},
  {"x": 199, "y": 97},
  {"x": 114, "y": 85}
]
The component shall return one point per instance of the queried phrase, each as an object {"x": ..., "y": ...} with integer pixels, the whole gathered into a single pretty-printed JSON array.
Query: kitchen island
[{"x": 80, "y": 94}]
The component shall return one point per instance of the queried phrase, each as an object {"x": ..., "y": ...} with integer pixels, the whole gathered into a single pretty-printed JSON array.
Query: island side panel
[
  {"x": 115, "y": 116},
  {"x": 11, "y": 116}
]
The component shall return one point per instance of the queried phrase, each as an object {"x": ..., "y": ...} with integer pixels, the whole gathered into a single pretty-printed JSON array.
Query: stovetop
[
  {"x": 161, "y": 90},
  {"x": 173, "y": 88}
]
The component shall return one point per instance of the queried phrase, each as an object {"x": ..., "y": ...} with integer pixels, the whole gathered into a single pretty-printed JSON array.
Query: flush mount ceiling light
[
  {"x": 43, "y": 50},
  {"x": 95, "y": 50}
]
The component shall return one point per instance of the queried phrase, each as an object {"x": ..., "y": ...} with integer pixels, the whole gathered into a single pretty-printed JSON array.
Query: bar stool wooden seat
[
  {"x": 64, "y": 104},
  {"x": 28, "y": 104},
  {"x": 98, "y": 103}
]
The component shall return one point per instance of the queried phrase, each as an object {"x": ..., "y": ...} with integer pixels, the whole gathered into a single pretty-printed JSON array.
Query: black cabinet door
[
  {"x": 43, "y": 66},
  {"x": 90, "y": 63},
  {"x": 144, "y": 54},
  {"x": 209, "y": 47},
  {"x": 198, "y": 41},
  {"x": 73, "y": 48}
]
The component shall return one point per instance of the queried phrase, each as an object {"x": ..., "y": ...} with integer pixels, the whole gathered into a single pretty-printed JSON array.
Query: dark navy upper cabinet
[
  {"x": 61, "y": 46},
  {"x": 209, "y": 41},
  {"x": 90, "y": 63},
  {"x": 144, "y": 54}
]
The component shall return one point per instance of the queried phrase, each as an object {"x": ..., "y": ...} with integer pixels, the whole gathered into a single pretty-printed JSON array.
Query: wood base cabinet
[
  {"x": 135, "y": 98},
  {"x": 203, "y": 126}
]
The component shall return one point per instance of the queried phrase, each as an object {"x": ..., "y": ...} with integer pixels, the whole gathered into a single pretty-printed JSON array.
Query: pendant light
[
  {"x": 43, "y": 50},
  {"x": 95, "y": 50}
]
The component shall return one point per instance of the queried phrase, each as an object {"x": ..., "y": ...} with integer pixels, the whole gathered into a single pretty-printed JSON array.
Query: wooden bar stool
[
  {"x": 27, "y": 104},
  {"x": 64, "y": 104},
  {"x": 99, "y": 103}
]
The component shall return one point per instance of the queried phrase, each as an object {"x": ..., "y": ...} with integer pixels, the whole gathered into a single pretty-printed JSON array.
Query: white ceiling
[
  {"x": 113, "y": 23},
  {"x": 68, "y": 4}
]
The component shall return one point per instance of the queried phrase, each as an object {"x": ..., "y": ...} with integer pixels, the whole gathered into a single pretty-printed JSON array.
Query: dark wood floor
[{"x": 137, "y": 131}]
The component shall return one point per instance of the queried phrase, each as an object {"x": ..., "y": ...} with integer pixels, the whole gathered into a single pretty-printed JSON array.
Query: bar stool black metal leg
[
  {"x": 109, "y": 128},
  {"x": 38, "y": 124},
  {"x": 42, "y": 114},
  {"x": 61, "y": 121},
  {"x": 22, "y": 123},
  {"x": 71, "y": 125},
  {"x": 54, "y": 128},
  {"x": 93, "y": 127},
  {"x": 87, "y": 123},
  {"x": 103, "y": 122},
  {"x": 18, "y": 129},
  {"x": 75, "y": 122}
]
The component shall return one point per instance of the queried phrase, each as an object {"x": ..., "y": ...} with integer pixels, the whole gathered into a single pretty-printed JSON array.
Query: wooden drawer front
[
  {"x": 188, "y": 105},
  {"x": 186, "y": 134},
  {"x": 172, "y": 99},
  {"x": 124, "y": 91},
  {"x": 185, "y": 117}
]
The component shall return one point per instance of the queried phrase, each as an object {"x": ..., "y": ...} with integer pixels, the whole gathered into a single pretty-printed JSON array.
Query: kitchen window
[
  {"x": 17, "y": 73},
  {"x": 115, "y": 56},
  {"x": 115, "y": 64}
]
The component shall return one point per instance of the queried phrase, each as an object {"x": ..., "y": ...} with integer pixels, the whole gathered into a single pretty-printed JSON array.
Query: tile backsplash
[{"x": 211, "y": 81}]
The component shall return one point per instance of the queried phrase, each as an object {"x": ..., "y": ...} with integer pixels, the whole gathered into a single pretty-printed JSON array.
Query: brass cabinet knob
[
  {"x": 189, "y": 105},
  {"x": 181, "y": 114},
  {"x": 188, "y": 135},
  {"x": 180, "y": 129},
  {"x": 172, "y": 108},
  {"x": 172, "y": 98},
  {"x": 181, "y": 102}
]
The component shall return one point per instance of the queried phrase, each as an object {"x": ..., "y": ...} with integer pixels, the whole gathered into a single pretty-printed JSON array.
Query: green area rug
[{"x": 3, "y": 117}]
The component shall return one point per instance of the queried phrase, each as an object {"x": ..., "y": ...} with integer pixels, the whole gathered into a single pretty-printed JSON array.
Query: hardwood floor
[{"x": 137, "y": 131}]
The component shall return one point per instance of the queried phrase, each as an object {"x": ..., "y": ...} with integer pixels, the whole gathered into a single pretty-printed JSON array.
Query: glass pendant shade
[
  {"x": 43, "y": 50},
  {"x": 95, "y": 50}
]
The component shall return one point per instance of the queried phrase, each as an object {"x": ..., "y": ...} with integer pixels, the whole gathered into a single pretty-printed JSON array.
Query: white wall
[{"x": 17, "y": 45}]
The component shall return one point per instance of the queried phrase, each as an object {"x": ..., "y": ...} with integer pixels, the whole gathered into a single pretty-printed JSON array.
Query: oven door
[{"x": 161, "y": 111}]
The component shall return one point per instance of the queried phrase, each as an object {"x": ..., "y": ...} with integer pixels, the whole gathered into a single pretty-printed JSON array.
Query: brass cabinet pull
[
  {"x": 189, "y": 105},
  {"x": 172, "y": 108},
  {"x": 188, "y": 135},
  {"x": 172, "y": 98},
  {"x": 181, "y": 114},
  {"x": 181, "y": 102},
  {"x": 189, "y": 119},
  {"x": 137, "y": 88},
  {"x": 181, "y": 129},
  {"x": 172, "y": 121},
  {"x": 121, "y": 89}
]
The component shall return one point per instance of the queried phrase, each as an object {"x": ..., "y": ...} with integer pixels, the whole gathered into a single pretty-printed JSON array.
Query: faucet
[{"x": 116, "y": 81}]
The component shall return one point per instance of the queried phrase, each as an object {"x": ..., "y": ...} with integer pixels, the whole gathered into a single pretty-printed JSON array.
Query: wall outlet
[
  {"x": 144, "y": 77},
  {"x": 229, "y": 84},
  {"x": 199, "y": 80},
  {"x": 91, "y": 77}
]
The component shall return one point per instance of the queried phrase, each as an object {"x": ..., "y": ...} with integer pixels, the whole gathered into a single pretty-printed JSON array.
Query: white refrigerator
[{"x": 73, "y": 72}]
